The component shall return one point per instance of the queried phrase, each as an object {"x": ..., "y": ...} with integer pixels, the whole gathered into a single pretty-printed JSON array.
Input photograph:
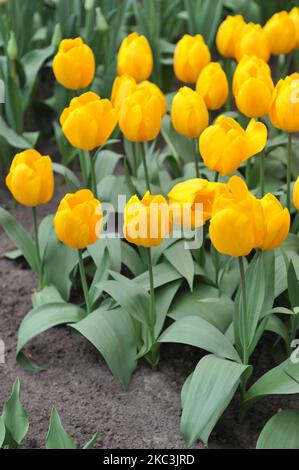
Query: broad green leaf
[
  {"x": 20, "y": 238},
  {"x": 106, "y": 161},
  {"x": 14, "y": 415},
  {"x": 197, "y": 332},
  {"x": 210, "y": 390},
  {"x": 48, "y": 295},
  {"x": 41, "y": 319},
  {"x": 131, "y": 259},
  {"x": 275, "y": 325},
  {"x": 163, "y": 274},
  {"x": 278, "y": 381},
  {"x": 66, "y": 173},
  {"x": 280, "y": 432},
  {"x": 115, "y": 254},
  {"x": 293, "y": 286},
  {"x": 57, "y": 437},
  {"x": 181, "y": 259},
  {"x": 163, "y": 299},
  {"x": 92, "y": 441},
  {"x": 113, "y": 335},
  {"x": 32, "y": 63},
  {"x": 2, "y": 431}
]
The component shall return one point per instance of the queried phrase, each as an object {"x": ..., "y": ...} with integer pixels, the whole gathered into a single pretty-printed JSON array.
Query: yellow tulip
[
  {"x": 281, "y": 33},
  {"x": 78, "y": 220},
  {"x": 252, "y": 40},
  {"x": 148, "y": 221},
  {"x": 253, "y": 86},
  {"x": 154, "y": 90},
  {"x": 227, "y": 35},
  {"x": 284, "y": 106},
  {"x": 294, "y": 15},
  {"x": 123, "y": 86},
  {"x": 135, "y": 57},
  {"x": 189, "y": 113},
  {"x": 139, "y": 120},
  {"x": 74, "y": 64},
  {"x": 89, "y": 121},
  {"x": 296, "y": 194},
  {"x": 191, "y": 55},
  {"x": 31, "y": 178},
  {"x": 236, "y": 225},
  {"x": 184, "y": 197},
  {"x": 225, "y": 145},
  {"x": 213, "y": 86},
  {"x": 276, "y": 222}
]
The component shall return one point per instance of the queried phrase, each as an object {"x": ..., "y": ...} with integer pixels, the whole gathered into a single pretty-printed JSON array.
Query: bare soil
[{"x": 88, "y": 398}]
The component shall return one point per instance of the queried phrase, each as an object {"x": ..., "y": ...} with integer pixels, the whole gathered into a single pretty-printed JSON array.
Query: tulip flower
[
  {"x": 146, "y": 223},
  {"x": 87, "y": 124},
  {"x": 135, "y": 57},
  {"x": 190, "y": 57},
  {"x": 296, "y": 194},
  {"x": 78, "y": 222},
  {"x": 212, "y": 85},
  {"x": 31, "y": 182},
  {"x": 74, "y": 64},
  {"x": 227, "y": 35},
  {"x": 276, "y": 222},
  {"x": 189, "y": 116},
  {"x": 252, "y": 40},
  {"x": 281, "y": 33},
  {"x": 294, "y": 15},
  {"x": 284, "y": 112},
  {"x": 253, "y": 86},
  {"x": 184, "y": 197},
  {"x": 225, "y": 145}
]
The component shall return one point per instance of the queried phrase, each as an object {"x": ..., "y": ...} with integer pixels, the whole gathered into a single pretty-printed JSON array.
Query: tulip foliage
[{"x": 178, "y": 224}]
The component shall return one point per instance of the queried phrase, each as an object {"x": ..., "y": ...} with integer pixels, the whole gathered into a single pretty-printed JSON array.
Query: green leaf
[
  {"x": 209, "y": 19},
  {"x": 41, "y": 319},
  {"x": 197, "y": 332},
  {"x": 48, "y": 295},
  {"x": 181, "y": 259},
  {"x": 14, "y": 415},
  {"x": 163, "y": 299},
  {"x": 57, "y": 437},
  {"x": 113, "y": 335},
  {"x": 163, "y": 274},
  {"x": 67, "y": 174},
  {"x": 92, "y": 441},
  {"x": 275, "y": 325},
  {"x": 20, "y": 238},
  {"x": 131, "y": 259},
  {"x": 278, "y": 381},
  {"x": 2, "y": 431},
  {"x": 106, "y": 162},
  {"x": 293, "y": 286},
  {"x": 129, "y": 295},
  {"x": 210, "y": 390},
  {"x": 280, "y": 432}
]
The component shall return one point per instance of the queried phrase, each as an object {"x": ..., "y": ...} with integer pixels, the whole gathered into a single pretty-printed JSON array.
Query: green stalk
[
  {"x": 93, "y": 175},
  {"x": 153, "y": 355},
  {"x": 39, "y": 258},
  {"x": 84, "y": 282},
  {"x": 289, "y": 171},
  {"x": 216, "y": 177},
  {"x": 84, "y": 169},
  {"x": 262, "y": 173},
  {"x": 148, "y": 185},
  {"x": 196, "y": 161},
  {"x": 244, "y": 310}
]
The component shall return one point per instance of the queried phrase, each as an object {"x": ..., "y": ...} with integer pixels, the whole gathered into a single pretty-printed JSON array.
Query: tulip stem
[
  {"x": 262, "y": 173},
  {"x": 84, "y": 282},
  {"x": 244, "y": 310},
  {"x": 93, "y": 175},
  {"x": 289, "y": 171},
  {"x": 216, "y": 177},
  {"x": 152, "y": 289},
  {"x": 84, "y": 171},
  {"x": 148, "y": 185},
  {"x": 196, "y": 162},
  {"x": 39, "y": 258}
]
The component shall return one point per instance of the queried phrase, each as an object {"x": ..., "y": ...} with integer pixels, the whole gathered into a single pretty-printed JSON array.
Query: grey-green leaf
[
  {"x": 14, "y": 415},
  {"x": 280, "y": 432},
  {"x": 57, "y": 437}
]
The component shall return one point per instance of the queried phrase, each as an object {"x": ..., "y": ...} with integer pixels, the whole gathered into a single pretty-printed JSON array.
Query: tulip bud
[
  {"x": 294, "y": 15},
  {"x": 224, "y": 146},
  {"x": 101, "y": 22},
  {"x": 276, "y": 223},
  {"x": 227, "y": 35},
  {"x": 78, "y": 219},
  {"x": 31, "y": 178},
  {"x": 189, "y": 113},
  {"x": 296, "y": 194},
  {"x": 89, "y": 121},
  {"x": 284, "y": 106},
  {"x": 148, "y": 221},
  {"x": 213, "y": 86},
  {"x": 190, "y": 57},
  {"x": 252, "y": 40},
  {"x": 237, "y": 223},
  {"x": 281, "y": 33},
  {"x": 135, "y": 57},
  {"x": 12, "y": 47},
  {"x": 74, "y": 64},
  {"x": 253, "y": 86}
]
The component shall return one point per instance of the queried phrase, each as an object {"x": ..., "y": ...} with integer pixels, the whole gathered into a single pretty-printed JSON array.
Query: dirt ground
[{"x": 80, "y": 385}]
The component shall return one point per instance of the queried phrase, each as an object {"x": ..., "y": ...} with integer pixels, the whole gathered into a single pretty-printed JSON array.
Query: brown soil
[{"x": 79, "y": 384}]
